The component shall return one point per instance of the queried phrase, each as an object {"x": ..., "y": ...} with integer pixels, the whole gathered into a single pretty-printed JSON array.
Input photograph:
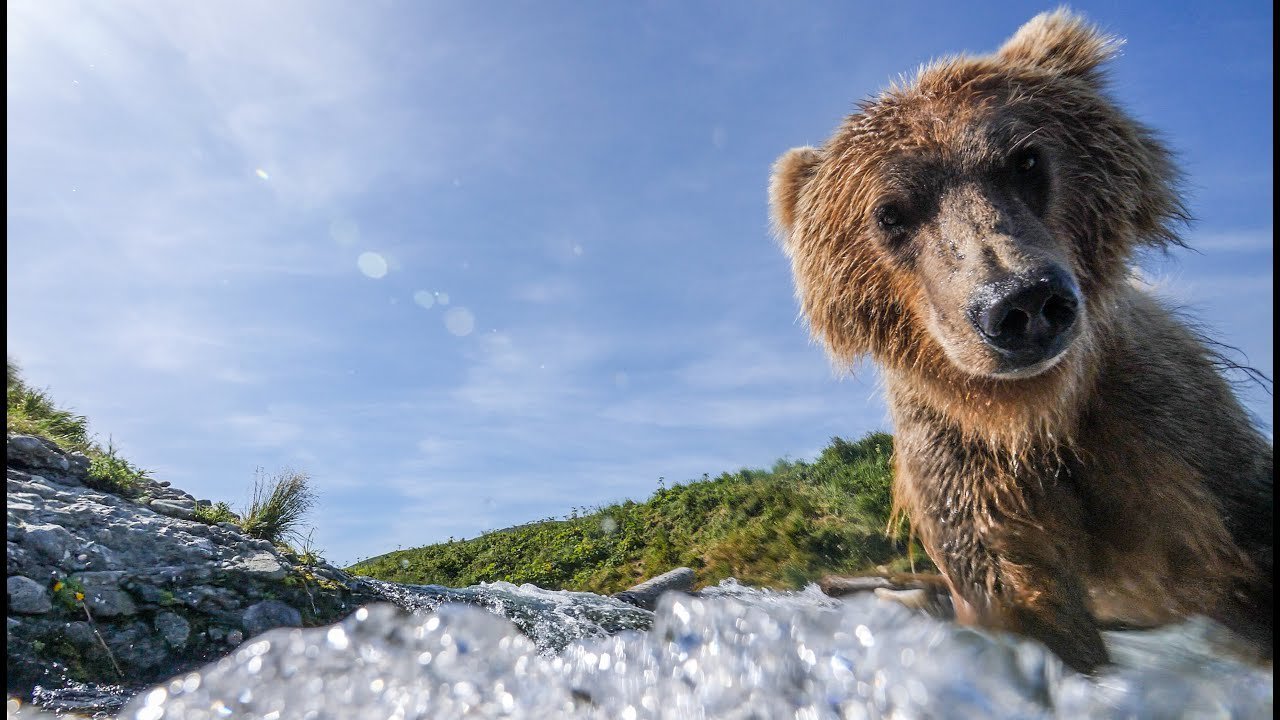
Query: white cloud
[{"x": 266, "y": 430}]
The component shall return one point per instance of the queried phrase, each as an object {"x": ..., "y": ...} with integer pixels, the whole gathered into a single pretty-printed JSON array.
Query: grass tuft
[
  {"x": 108, "y": 471},
  {"x": 33, "y": 412},
  {"x": 278, "y": 506},
  {"x": 216, "y": 513}
]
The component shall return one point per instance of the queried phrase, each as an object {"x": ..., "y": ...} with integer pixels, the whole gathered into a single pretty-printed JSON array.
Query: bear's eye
[
  {"x": 1026, "y": 160},
  {"x": 1028, "y": 173},
  {"x": 890, "y": 218}
]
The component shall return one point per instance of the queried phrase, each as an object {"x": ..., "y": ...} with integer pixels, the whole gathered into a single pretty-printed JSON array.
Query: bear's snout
[{"x": 1028, "y": 318}]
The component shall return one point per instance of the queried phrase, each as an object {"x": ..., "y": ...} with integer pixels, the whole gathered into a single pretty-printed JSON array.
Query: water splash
[{"x": 733, "y": 652}]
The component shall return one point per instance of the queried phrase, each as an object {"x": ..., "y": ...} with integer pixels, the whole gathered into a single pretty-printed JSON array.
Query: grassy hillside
[{"x": 781, "y": 528}]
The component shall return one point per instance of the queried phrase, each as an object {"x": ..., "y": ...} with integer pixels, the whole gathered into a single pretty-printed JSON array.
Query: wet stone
[
  {"x": 268, "y": 614},
  {"x": 103, "y": 595},
  {"x": 173, "y": 628},
  {"x": 28, "y": 597}
]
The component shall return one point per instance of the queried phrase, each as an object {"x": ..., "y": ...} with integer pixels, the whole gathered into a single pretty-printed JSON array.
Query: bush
[{"x": 278, "y": 505}]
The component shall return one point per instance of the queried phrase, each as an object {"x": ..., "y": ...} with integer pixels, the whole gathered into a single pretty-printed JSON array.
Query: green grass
[
  {"x": 278, "y": 505},
  {"x": 216, "y": 513},
  {"x": 33, "y": 412},
  {"x": 780, "y": 528},
  {"x": 108, "y": 471}
]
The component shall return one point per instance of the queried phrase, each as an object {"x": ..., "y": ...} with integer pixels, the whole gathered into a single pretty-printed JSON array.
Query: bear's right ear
[{"x": 790, "y": 174}]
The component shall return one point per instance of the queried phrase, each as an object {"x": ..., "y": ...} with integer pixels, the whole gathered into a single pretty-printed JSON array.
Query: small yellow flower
[
  {"x": 79, "y": 596},
  {"x": 57, "y": 586}
]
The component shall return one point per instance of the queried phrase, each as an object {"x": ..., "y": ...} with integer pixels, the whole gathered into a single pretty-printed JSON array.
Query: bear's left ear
[
  {"x": 1061, "y": 41},
  {"x": 791, "y": 173}
]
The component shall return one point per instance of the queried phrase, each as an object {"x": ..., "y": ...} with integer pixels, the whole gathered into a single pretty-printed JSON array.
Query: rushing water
[{"x": 498, "y": 650}]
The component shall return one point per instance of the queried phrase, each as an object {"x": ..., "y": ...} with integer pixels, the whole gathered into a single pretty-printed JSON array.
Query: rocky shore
[{"x": 111, "y": 588}]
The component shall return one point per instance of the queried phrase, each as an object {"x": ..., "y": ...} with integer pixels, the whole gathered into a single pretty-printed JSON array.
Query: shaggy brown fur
[{"x": 1117, "y": 480}]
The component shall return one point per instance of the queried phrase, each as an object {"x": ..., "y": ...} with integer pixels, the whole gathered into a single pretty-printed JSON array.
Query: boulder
[
  {"x": 646, "y": 594},
  {"x": 28, "y": 597},
  {"x": 268, "y": 614}
]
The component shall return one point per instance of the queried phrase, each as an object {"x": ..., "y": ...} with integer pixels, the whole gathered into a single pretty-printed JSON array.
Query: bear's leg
[{"x": 1024, "y": 585}]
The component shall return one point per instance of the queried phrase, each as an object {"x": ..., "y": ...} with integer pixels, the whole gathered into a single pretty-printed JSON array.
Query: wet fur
[{"x": 1125, "y": 482}]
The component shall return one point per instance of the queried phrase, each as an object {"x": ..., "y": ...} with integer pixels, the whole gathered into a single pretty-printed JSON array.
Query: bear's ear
[
  {"x": 1061, "y": 41},
  {"x": 790, "y": 174}
]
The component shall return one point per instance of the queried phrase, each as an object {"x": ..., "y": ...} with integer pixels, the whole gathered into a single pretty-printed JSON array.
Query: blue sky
[{"x": 472, "y": 264}]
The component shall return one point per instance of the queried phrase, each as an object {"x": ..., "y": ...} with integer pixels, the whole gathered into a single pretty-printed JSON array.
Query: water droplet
[
  {"x": 459, "y": 321},
  {"x": 372, "y": 264},
  {"x": 424, "y": 298},
  {"x": 337, "y": 637},
  {"x": 262, "y": 174}
]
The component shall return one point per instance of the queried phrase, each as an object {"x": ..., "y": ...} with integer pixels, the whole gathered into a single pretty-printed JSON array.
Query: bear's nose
[{"x": 1027, "y": 314}]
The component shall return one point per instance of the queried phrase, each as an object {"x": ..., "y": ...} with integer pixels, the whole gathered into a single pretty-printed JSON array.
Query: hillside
[{"x": 780, "y": 528}]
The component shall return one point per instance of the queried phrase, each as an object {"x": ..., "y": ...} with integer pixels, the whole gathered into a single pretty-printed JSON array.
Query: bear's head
[{"x": 973, "y": 223}]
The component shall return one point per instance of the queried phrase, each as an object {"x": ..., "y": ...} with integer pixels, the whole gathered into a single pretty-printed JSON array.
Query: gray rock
[
  {"x": 210, "y": 599},
  {"x": 23, "y": 502},
  {"x": 235, "y": 637},
  {"x": 173, "y": 628},
  {"x": 839, "y": 586},
  {"x": 268, "y": 614},
  {"x": 28, "y": 597},
  {"x": 264, "y": 564},
  {"x": 33, "y": 452},
  {"x": 80, "y": 633},
  {"x": 646, "y": 594},
  {"x": 78, "y": 464},
  {"x": 52, "y": 541},
  {"x": 15, "y": 558},
  {"x": 103, "y": 595},
  {"x": 136, "y": 645},
  {"x": 181, "y": 509}
]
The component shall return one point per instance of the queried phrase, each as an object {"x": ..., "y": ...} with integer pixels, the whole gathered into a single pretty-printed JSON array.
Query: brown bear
[{"x": 1067, "y": 449}]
